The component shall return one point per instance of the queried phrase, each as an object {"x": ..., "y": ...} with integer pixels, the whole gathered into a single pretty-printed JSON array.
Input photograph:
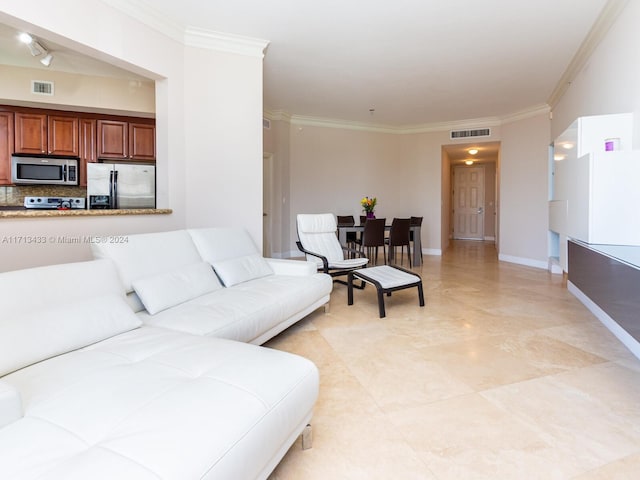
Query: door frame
[{"x": 267, "y": 204}]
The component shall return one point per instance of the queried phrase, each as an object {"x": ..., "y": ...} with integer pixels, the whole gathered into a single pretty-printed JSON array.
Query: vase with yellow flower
[{"x": 369, "y": 206}]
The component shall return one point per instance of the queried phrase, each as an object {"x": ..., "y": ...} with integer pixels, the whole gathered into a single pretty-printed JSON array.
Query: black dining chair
[
  {"x": 348, "y": 221},
  {"x": 399, "y": 237},
  {"x": 415, "y": 222},
  {"x": 373, "y": 238}
]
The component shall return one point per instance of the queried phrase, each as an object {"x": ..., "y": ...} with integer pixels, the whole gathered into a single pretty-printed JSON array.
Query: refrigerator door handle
[
  {"x": 115, "y": 189},
  {"x": 111, "y": 189}
]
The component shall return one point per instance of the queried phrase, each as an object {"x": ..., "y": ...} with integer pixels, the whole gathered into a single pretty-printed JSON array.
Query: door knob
[{"x": 480, "y": 210}]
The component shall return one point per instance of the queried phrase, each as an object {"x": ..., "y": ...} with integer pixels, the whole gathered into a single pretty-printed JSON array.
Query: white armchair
[{"x": 317, "y": 239}]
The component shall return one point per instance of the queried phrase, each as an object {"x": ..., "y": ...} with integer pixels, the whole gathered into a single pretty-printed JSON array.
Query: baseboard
[
  {"x": 489, "y": 239},
  {"x": 432, "y": 251},
  {"x": 529, "y": 262},
  {"x": 619, "y": 332}
]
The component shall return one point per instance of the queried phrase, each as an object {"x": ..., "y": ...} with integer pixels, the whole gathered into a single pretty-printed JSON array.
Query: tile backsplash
[{"x": 13, "y": 196}]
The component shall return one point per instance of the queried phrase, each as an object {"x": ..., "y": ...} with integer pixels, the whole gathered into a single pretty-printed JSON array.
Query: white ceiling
[{"x": 414, "y": 62}]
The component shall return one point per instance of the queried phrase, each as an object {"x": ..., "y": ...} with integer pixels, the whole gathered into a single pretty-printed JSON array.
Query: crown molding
[
  {"x": 224, "y": 42},
  {"x": 303, "y": 120},
  {"x": 277, "y": 115},
  {"x": 190, "y": 36},
  {"x": 605, "y": 20},
  {"x": 527, "y": 113},
  {"x": 397, "y": 130},
  {"x": 146, "y": 14}
]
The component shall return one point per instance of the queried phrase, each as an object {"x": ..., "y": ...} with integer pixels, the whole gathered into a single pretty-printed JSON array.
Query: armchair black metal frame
[{"x": 336, "y": 271}]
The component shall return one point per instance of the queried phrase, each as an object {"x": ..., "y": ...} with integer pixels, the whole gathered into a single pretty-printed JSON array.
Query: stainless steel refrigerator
[{"x": 126, "y": 185}]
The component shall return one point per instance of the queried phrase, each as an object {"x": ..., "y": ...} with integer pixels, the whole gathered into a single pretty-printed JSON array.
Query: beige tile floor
[{"x": 502, "y": 375}]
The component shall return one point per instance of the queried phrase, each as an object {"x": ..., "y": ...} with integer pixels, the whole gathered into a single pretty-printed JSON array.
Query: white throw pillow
[
  {"x": 241, "y": 269},
  {"x": 165, "y": 290},
  {"x": 35, "y": 335}
]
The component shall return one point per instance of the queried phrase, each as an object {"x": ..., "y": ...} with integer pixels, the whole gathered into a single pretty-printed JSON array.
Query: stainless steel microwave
[{"x": 44, "y": 171}]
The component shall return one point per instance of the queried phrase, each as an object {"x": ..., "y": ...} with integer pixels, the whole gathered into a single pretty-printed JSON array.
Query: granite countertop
[{"x": 21, "y": 212}]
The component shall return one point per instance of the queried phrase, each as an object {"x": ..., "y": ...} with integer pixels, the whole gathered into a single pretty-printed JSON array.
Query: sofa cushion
[
  {"x": 147, "y": 254},
  {"x": 57, "y": 284},
  {"x": 216, "y": 244},
  {"x": 39, "y": 333},
  {"x": 161, "y": 291},
  {"x": 242, "y": 269}
]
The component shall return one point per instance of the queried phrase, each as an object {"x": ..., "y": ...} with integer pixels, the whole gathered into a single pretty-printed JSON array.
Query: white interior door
[
  {"x": 468, "y": 202},
  {"x": 267, "y": 182}
]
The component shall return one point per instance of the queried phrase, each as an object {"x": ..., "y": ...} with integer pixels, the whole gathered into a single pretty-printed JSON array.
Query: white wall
[
  {"x": 524, "y": 191},
  {"x": 117, "y": 95},
  {"x": 609, "y": 82},
  {"x": 230, "y": 116},
  {"x": 223, "y": 101}
]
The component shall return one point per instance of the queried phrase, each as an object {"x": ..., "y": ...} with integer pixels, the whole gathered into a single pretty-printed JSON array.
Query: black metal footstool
[{"x": 386, "y": 279}]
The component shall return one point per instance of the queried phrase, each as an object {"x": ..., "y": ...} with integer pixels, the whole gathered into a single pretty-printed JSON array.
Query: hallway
[{"x": 502, "y": 375}]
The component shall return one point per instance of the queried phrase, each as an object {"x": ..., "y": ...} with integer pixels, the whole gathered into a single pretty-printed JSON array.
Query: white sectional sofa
[
  {"x": 169, "y": 283},
  {"x": 93, "y": 388}
]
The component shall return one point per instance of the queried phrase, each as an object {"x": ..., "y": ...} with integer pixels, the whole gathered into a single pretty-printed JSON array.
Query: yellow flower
[{"x": 368, "y": 204}]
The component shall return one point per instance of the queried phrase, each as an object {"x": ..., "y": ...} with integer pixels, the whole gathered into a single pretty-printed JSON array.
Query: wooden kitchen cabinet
[
  {"x": 88, "y": 149},
  {"x": 113, "y": 139},
  {"x": 120, "y": 140},
  {"x": 63, "y": 135},
  {"x": 31, "y": 133},
  {"x": 41, "y": 134},
  {"x": 142, "y": 141},
  {"x": 6, "y": 146}
]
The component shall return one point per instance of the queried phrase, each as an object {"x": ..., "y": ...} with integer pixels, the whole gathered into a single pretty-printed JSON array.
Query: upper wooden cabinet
[
  {"x": 40, "y": 134},
  {"x": 120, "y": 140},
  {"x": 113, "y": 139},
  {"x": 63, "y": 136},
  {"x": 142, "y": 141},
  {"x": 6, "y": 147}
]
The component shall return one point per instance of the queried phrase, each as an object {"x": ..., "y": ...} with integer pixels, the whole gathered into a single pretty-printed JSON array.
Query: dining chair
[
  {"x": 415, "y": 222},
  {"x": 317, "y": 239},
  {"x": 363, "y": 219},
  {"x": 373, "y": 238},
  {"x": 399, "y": 237},
  {"x": 348, "y": 221}
]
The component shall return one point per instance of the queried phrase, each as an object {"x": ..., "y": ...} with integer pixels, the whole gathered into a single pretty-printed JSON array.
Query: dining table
[{"x": 417, "y": 243}]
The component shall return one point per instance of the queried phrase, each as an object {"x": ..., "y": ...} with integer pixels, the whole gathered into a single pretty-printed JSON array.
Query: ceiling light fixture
[
  {"x": 473, "y": 151},
  {"x": 46, "y": 60},
  {"x": 469, "y": 162},
  {"x": 35, "y": 47}
]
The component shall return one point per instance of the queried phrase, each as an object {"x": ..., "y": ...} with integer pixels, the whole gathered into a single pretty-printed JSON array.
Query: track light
[
  {"x": 36, "y": 48},
  {"x": 46, "y": 60},
  {"x": 25, "y": 38}
]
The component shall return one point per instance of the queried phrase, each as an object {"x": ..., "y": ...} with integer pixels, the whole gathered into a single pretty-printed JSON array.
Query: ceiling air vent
[
  {"x": 479, "y": 132},
  {"x": 266, "y": 123},
  {"x": 40, "y": 87}
]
